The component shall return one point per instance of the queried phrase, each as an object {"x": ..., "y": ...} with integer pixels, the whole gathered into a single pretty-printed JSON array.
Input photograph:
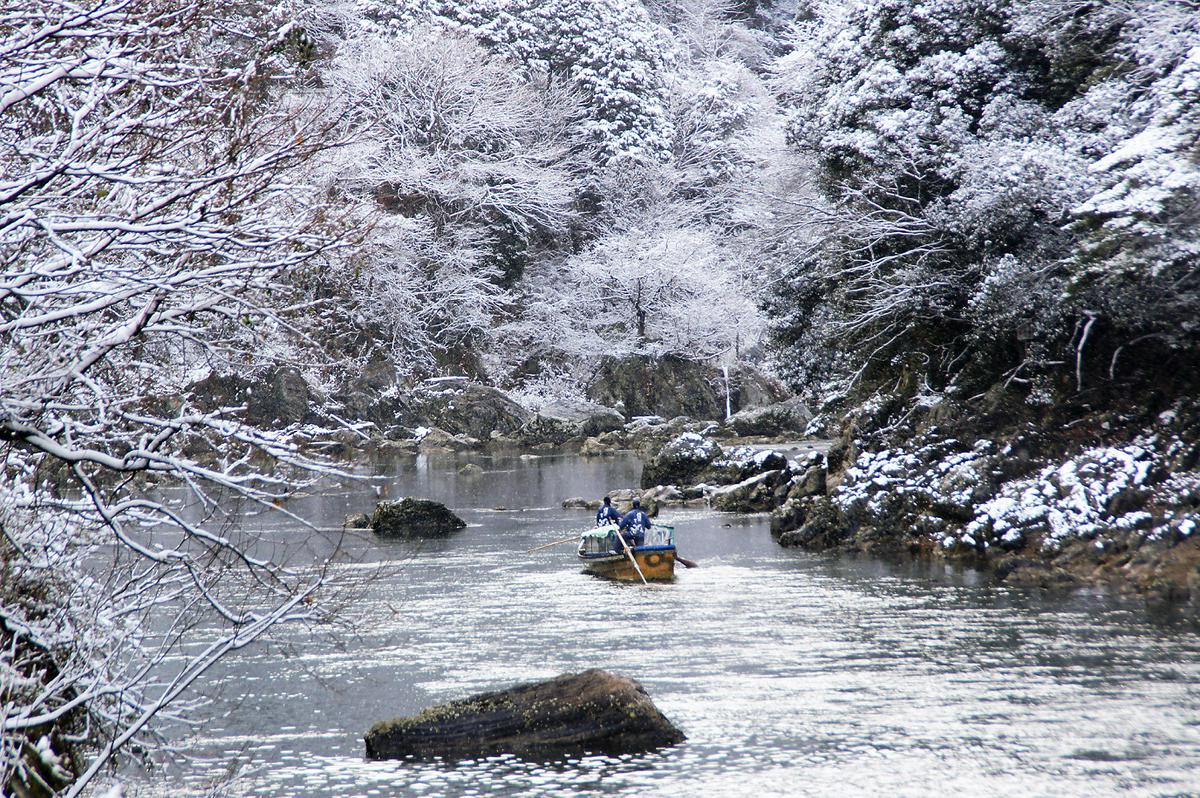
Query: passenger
[
  {"x": 634, "y": 525},
  {"x": 607, "y": 514}
]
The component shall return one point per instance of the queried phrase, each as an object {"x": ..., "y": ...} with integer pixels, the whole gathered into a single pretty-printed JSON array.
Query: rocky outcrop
[
  {"x": 582, "y": 419},
  {"x": 752, "y": 388},
  {"x": 435, "y": 440},
  {"x": 1034, "y": 507},
  {"x": 667, "y": 387},
  {"x": 783, "y": 418},
  {"x": 741, "y": 463},
  {"x": 681, "y": 461},
  {"x": 757, "y": 494},
  {"x": 645, "y": 435},
  {"x": 466, "y": 408},
  {"x": 743, "y": 479},
  {"x": 414, "y": 518},
  {"x": 564, "y": 421},
  {"x": 275, "y": 399},
  {"x": 592, "y": 711},
  {"x": 813, "y": 523},
  {"x": 373, "y": 395}
]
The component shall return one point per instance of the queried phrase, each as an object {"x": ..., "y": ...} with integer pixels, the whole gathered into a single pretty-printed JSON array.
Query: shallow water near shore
[{"x": 791, "y": 673}]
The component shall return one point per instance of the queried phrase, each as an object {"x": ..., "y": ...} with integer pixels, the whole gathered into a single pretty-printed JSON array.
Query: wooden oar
[
  {"x": 555, "y": 543},
  {"x": 632, "y": 559}
]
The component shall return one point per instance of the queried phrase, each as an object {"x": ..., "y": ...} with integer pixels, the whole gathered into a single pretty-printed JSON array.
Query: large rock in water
[
  {"x": 757, "y": 494},
  {"x": 414, "y": 518},
  {"x": 593, "y": 711},
  {"x": 564, "y": 420},
  {"x": 681, "y": 461},
  {"x": 582, "y": 419}
]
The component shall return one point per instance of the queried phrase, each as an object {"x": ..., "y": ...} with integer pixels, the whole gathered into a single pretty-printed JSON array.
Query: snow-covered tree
[
  {"x": 151, "y": 198},
  {"x": 611, "y": 52},
  {"x": 464, "y": 166},
  {"x": 998, "y": 182},
  {"x": 671, "y": 290}
]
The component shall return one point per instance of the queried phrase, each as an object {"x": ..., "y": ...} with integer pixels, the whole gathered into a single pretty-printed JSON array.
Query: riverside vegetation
[{"x": 957, "y": 239}]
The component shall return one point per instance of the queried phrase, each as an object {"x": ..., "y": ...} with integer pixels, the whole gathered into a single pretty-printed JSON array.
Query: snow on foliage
[
  {"x": 673, "y": 290},
  {"x": 463, "y": 163},
  {"x": 957, "y": 497},
  {"x": 691, "y": 446},
  {"x": 611, "y": 51},
  {"x": 152, "y": 195},
  {"x": 995, "y": 176},
  {"x": 1078, "y": 498}
]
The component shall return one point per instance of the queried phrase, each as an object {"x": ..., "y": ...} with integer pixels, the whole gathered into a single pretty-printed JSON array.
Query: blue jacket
[
  {"x": 607, "y": 513},
  {"x": 635, "y": 518}
]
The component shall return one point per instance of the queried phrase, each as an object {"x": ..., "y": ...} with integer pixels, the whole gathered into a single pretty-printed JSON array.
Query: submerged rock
[
  {"x": 592, "y": 711},
  {"x": 414, "y": 518},
  {"x": 357, "y": 521}
]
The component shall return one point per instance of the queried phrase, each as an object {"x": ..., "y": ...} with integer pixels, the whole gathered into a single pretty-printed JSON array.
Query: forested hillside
[
  {"x": 1009, "y": 195},
  {"x": 966, "y": 233}
]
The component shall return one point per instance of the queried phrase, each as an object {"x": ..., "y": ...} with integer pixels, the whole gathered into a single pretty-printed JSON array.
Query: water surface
[{"x": 790, "y": 673}]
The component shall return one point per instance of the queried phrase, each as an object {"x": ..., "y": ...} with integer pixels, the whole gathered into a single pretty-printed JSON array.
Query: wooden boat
[{"x": 601, "y": 553}]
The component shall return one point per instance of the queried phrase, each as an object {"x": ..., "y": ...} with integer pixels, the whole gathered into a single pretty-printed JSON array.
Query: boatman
[
  {"x": 607, "y": 514},
  {"x": 634, "y": 525}
]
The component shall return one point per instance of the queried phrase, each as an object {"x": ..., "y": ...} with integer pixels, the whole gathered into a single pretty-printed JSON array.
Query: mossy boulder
[
  {"x": 414, "y": 518},
  {"x": 592, "y": 711}
]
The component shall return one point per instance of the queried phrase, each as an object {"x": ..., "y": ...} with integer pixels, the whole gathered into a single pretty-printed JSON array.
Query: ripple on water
[{"x": 791, "y": 674}]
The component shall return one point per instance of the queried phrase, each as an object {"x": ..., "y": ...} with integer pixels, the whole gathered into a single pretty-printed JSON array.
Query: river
[{"x": 791, "y": 673}]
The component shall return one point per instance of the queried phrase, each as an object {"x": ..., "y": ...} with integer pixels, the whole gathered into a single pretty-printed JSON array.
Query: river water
[{"x": 790, "y": 673}]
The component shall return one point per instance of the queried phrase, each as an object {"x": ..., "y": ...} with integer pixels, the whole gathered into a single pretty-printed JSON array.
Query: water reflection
[{"x": 791, "y": 674}]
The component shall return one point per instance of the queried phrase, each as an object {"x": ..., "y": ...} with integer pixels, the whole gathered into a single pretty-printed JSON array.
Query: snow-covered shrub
[{"x": 1088, "y": 493}]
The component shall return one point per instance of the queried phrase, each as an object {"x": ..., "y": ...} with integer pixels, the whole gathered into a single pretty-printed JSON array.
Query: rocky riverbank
[
  {"x": 375, "y": 411},
  {"x": 1105, "y": 500},
  {"x": 1082, "y": 497}
]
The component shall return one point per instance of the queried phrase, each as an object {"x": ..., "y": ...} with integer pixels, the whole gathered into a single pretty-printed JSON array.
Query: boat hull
[{"x": 656, "y": 562}]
